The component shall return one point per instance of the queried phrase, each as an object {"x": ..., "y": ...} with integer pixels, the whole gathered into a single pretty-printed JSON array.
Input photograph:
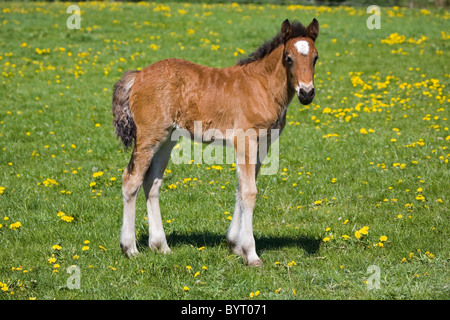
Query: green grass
[{"x": 56, "y": 123}]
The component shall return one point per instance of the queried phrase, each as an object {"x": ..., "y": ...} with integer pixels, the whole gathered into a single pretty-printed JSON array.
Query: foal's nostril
[{"x": 302, "y": 93}]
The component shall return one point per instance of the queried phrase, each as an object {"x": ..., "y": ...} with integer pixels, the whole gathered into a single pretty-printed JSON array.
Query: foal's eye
[{"x": 289, "y": 60}]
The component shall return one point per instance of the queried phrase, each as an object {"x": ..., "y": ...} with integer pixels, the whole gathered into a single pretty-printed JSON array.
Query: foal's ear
[
  {"x": 286, "y": 30},
  {"x": 312, "y": 30}
]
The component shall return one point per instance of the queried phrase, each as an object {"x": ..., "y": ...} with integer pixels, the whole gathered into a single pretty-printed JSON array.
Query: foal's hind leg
[
  {"x": 152, "y": 185},
  {"x": 132, "y": 180},
  {"x": 235, "y": 226}
]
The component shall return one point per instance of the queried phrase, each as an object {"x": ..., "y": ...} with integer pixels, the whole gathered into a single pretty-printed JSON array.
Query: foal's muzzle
[{"x": 306, "y": 95}]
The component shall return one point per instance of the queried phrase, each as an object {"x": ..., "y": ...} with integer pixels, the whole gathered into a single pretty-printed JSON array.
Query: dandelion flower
[
  {"x": 67, "y": 218},
  {"x": 15, "y": 225},
  {"x": 364, "y": 230}
]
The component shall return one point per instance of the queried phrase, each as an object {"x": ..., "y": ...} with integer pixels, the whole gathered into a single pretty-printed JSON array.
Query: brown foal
[{"x": 173, "y": 94}]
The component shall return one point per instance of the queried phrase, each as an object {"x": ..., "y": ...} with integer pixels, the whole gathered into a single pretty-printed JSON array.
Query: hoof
[
  {"x": 129, "y": 251},
  {"x": 237, "y": 250},
  {"x": 255, "y": 263},
  {"x": 161, "y": 247}
]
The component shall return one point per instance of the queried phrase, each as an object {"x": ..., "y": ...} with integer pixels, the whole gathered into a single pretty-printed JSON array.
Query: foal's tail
[{"x": 123, "y": 119}]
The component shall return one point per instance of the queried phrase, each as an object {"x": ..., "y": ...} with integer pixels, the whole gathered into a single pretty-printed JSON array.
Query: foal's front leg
[{"x": 247, "y": 193}]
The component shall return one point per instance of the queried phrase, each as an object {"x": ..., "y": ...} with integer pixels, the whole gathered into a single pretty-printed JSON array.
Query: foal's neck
[{"x": 272, "y": 70}]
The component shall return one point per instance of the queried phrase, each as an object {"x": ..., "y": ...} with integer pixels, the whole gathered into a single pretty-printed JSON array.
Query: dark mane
[{"x": 298, "y": 30}]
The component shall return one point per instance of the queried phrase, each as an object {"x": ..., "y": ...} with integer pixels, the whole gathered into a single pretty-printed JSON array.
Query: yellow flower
[
  {"x": 357, "y": 234},
  {"x": 56, "y": 247},
  {"x": 85, "y": 248},
  {"x": 67, "y": 218},
  {"x": 186, "y": 288},
  {"x": 15, "y": 225},
  {"x": 326, "y": 239},
  {"x": 383, "y": 238},
  {"x": 420, "y": 198},
  {"x": 363, "y": 131},
  {"x": 364, "y": 230}
]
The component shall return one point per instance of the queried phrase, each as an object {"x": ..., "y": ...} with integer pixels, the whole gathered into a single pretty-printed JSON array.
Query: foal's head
[{"x": 300, "y": 57}]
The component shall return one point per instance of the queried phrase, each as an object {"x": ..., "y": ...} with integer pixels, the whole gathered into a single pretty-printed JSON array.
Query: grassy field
[{"x": 363, "y": 178}]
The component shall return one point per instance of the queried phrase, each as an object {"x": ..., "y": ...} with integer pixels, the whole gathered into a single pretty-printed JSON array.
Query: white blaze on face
[
  {"x": 302, "y": 47},
  {"x": 305, "y": 86}
]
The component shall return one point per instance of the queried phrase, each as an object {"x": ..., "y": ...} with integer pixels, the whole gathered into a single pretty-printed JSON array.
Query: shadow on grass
[{"x": 208, "y": 239}]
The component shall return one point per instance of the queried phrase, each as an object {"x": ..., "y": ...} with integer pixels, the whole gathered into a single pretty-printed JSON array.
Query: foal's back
[{"x": 177, "y": 92}]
